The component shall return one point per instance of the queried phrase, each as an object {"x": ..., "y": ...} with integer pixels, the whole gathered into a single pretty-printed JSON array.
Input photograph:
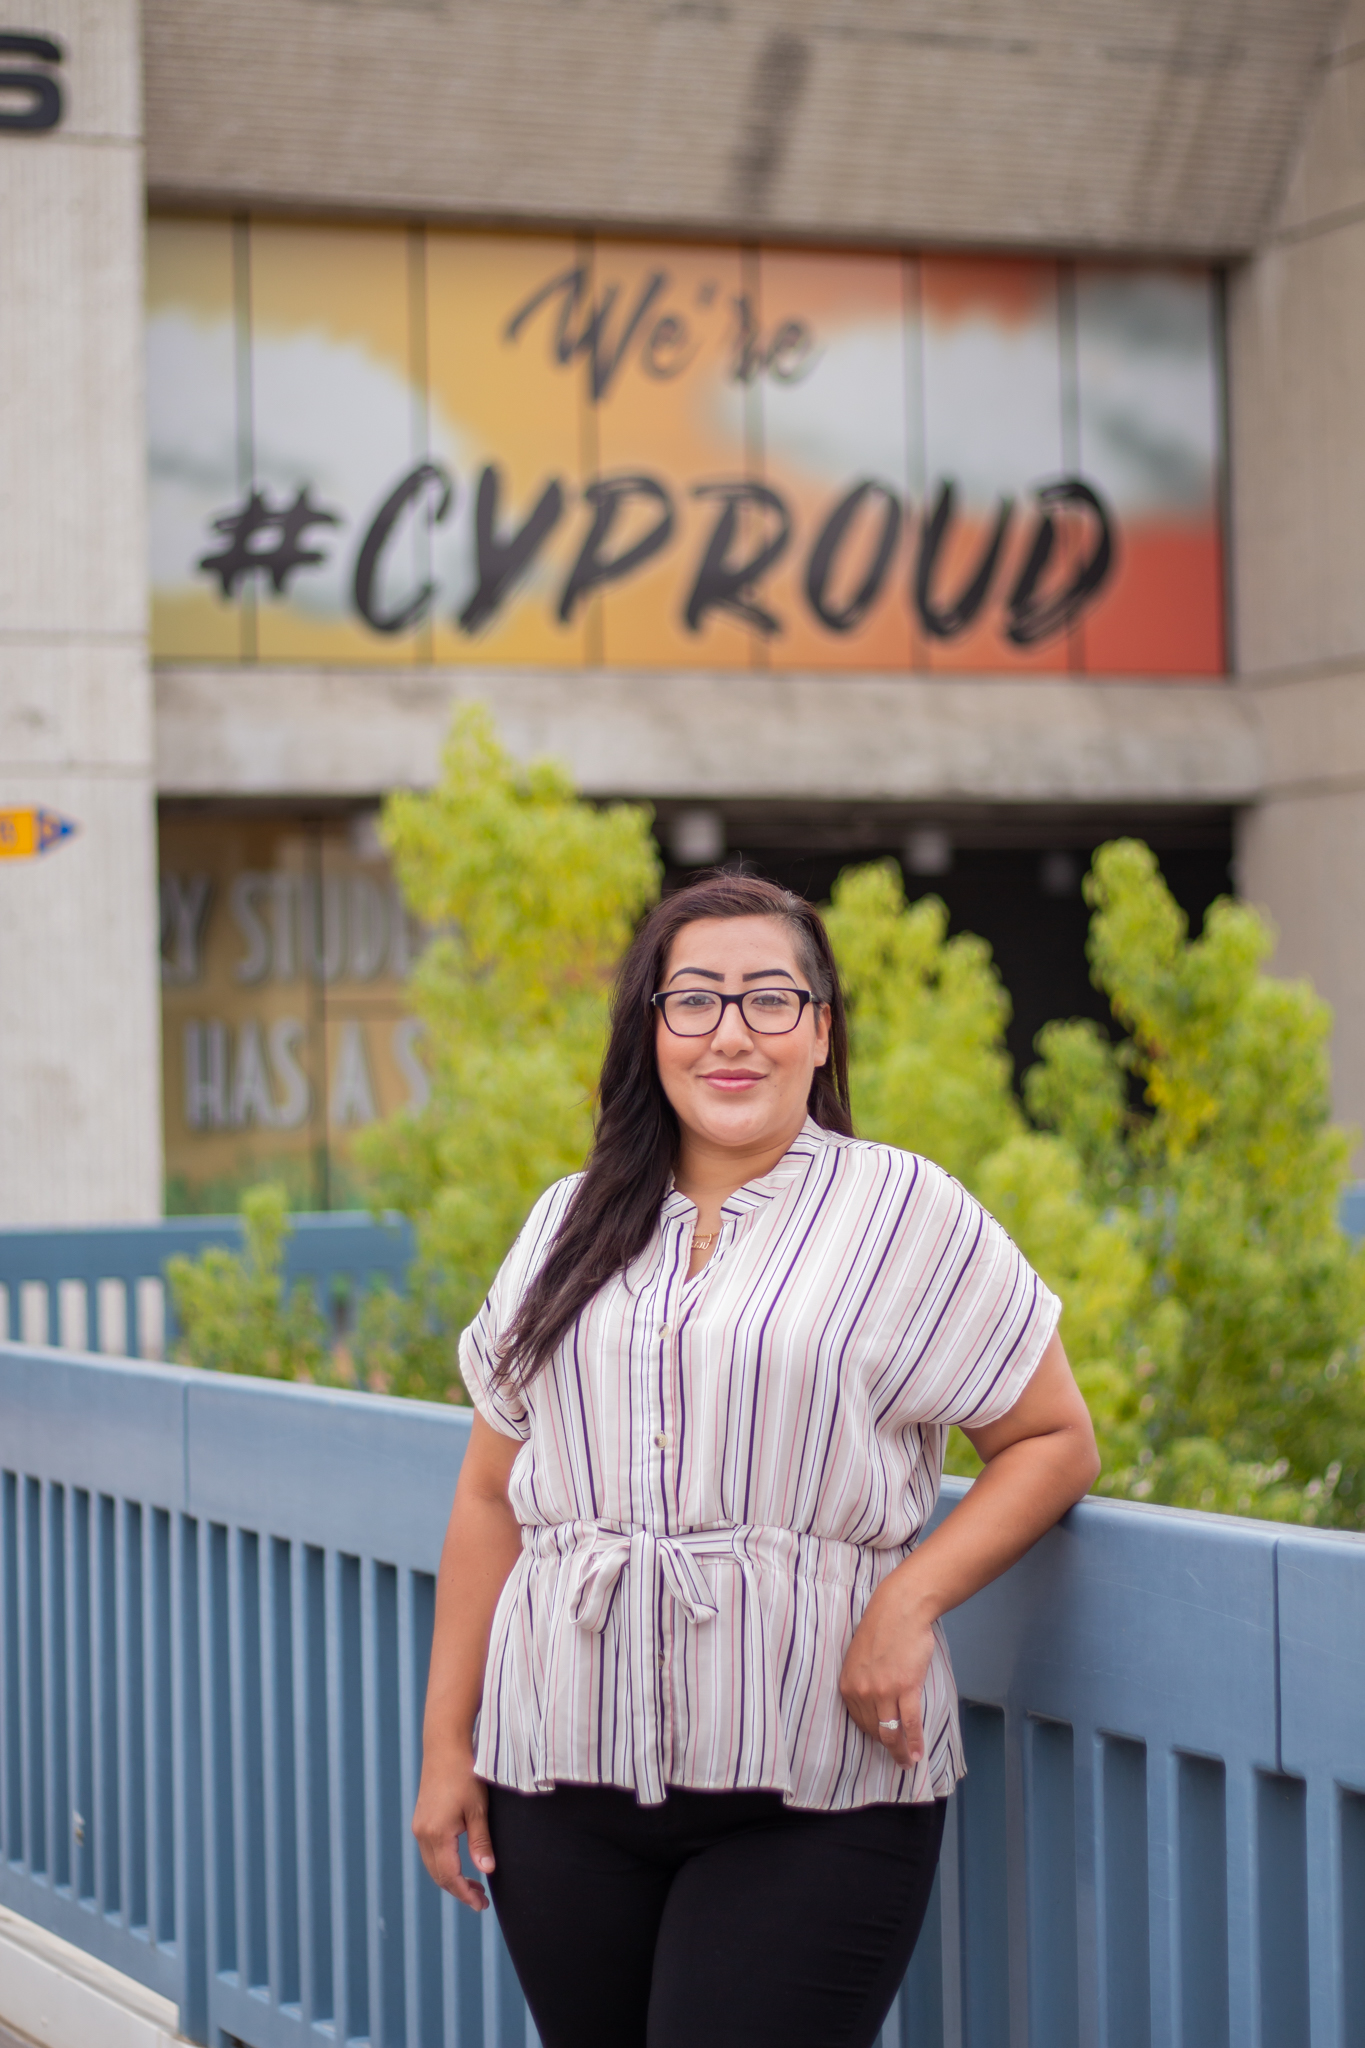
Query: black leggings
[{"x": 717, "y": 1920}]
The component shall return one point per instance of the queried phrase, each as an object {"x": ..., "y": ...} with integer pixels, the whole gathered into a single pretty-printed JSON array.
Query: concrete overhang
[
  {"x": 1070, "y": 124},
  {"x": 275, "y": 732}
]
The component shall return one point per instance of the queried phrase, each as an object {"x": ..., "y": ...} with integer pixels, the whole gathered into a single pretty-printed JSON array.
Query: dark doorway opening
[{"x": 1011, "y": 875}]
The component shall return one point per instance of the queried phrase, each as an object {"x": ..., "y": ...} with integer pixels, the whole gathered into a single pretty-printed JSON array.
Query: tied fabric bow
[{"x": 649, "y": 1564}]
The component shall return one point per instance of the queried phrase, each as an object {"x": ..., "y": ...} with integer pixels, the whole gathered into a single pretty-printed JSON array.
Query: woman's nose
[{"x": 732, "y": 1033}]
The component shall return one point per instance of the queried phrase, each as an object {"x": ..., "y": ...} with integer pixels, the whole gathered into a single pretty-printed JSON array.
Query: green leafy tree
[
  {"x": 530, "y": 896},
  {"x": 234, "y": 1310},
  {"x": 927, "y": 1015},
  {"x": 1205, "y": 1133},
  {"x": 1177, "y": 1184}
]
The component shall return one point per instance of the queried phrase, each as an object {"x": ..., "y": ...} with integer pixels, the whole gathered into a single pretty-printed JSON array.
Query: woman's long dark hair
[{"x": 616, "y": 1203}]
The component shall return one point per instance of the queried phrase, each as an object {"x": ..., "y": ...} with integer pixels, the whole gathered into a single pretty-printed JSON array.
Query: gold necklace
[{"x": 703, "y": 1244}]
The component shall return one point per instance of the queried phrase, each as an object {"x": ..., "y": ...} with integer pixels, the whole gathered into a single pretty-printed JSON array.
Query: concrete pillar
[
  {"x": 80, "y": 1089},
  {"x": 1296, "y": 337}
]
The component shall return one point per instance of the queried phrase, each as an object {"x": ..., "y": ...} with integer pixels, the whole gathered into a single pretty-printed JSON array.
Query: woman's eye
[
  {"x": 697, "y": 1001},
  {"x": 771, "y": 999}
]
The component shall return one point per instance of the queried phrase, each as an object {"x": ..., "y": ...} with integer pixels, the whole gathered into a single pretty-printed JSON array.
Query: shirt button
[
  {"x": 663, "y": 1329},
  {"x": 662, "y": 1439}
]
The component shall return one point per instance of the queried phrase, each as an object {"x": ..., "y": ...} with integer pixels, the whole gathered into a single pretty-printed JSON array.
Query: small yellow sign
[{"x": 31, "y": 830}]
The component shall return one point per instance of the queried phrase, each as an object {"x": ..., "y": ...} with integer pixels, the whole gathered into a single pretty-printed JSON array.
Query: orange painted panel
[
  {"x": 508, "y": 421},
  {"x": 836, "y": 427}
]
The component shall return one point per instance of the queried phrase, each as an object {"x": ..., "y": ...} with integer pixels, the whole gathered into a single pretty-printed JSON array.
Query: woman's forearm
[
  {"x": 1039, "y": 1460},
  {"x": 482, "y": 1544},
  {"x": 1014, "y": 1500}
]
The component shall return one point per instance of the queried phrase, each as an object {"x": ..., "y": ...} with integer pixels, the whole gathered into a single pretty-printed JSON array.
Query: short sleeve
[
  {"x": 982, "y": 1318},
  {"x": 503, "y": 1407}
]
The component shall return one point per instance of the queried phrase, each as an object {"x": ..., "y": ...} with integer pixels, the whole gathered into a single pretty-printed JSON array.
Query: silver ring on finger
[{"x": 892, "y": 1725}]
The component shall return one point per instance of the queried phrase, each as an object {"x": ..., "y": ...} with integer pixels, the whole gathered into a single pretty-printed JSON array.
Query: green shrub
[
  {"x": 1178, "y": 1186},
  {"x": 234, "y": 1312},
  {"x": 1176, "y": 1183}
]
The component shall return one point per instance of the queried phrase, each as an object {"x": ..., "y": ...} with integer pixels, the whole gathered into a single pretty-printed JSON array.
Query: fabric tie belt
[{"x": 651, "y": 1565}]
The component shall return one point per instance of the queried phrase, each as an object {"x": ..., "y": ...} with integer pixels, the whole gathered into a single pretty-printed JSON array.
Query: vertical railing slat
[
  {"x": 80, "y": 1542},
  {"x": 421, "y": 1899},
  {"x": 189, "y": 1734},
  {"x": 983, "y": 1866},
  {"x": 1123, "y": 1934},
  {"x": 316, "y": 1724},
  {"x": 1050, "y": 1823},
  {"x": 57, "y": 1685},
  {"x": 33, "y": 1708},
  {"x": 12, "y": 1775},
  {"x": 1279, "y": 1950},
  {"x": 216, "y": 1637},
  {"x": 161, "y": 1728},
  {"x": 1203, "y": 1904},
  {"x": 1337, "y": 1830},
  {"x": 281, "y": 1774},
  {"x": 1241, "y": 1848},
  {"x": 343, "y": 2005},
  {"x": 109, "y": 1893}
]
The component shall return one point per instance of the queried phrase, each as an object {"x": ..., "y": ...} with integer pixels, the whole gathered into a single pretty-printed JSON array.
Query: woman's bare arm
[
  {"x": 1038, "y": 1461},
  {"x": 482, "y": 1543}
]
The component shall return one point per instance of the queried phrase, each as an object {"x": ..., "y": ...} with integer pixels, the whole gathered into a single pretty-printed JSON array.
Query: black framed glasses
[{"x": 697, "y": 1012}]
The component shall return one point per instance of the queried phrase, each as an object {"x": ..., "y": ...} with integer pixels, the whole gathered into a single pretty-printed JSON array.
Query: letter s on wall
[{"x": 44, "y": 94}]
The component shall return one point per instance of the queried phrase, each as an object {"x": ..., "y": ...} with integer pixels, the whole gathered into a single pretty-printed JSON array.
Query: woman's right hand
[{"x": 452, "y": 1800}]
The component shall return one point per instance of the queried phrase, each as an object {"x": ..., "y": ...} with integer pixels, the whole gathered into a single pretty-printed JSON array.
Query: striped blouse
[{"x": 718, "y": 1472}]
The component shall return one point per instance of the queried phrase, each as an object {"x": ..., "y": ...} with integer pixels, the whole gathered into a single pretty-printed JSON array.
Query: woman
[{"x": 682, "y": 1579}]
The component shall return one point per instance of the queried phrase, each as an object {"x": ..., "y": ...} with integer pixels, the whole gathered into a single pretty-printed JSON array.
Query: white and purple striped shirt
[{"x": 717, "y": 1473}]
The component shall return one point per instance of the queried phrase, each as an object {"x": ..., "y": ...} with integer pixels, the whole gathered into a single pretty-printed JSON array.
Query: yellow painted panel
[
  {"x": 508, "y": 423},
  {"x": 670, "y": 407},
  {"x": 836, "y": 448},
  {"x": 336, "y": 426},
  {"x": 194, "y": 450}
]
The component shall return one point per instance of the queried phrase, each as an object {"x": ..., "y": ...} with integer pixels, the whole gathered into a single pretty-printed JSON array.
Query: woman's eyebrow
[{"x": 759, "y": 973}]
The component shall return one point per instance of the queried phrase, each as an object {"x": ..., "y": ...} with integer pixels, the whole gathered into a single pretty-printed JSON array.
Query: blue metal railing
[
  {"x": 216, "y": 1600},
  {"x": 101, "y": 1287},
  {"x": 337, "y": 1254}
]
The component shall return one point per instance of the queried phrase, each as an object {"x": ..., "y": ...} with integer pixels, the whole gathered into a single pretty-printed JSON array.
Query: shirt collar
[{"x": 808, "y": 1143}]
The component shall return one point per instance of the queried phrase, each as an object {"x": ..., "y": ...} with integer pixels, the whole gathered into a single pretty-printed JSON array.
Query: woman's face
[{"x": 739, "y": 1087}]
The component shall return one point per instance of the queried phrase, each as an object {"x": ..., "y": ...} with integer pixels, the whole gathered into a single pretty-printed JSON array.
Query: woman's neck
[{"x": 708, "y": 1174}]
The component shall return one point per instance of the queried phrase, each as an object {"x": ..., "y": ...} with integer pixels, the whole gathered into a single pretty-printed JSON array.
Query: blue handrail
[
  {"x": 336, "y": 1253},
  {"x": 216, "y": 1601}
]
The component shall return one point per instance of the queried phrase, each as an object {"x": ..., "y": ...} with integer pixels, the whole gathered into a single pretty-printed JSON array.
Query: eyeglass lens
[{"x": 695, "y": 1012}]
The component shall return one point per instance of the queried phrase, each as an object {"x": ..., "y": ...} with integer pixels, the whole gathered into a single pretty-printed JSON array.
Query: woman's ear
[{"x": 822, "y": 1023}]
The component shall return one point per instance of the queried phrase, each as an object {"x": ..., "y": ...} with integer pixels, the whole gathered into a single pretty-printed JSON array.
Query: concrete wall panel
[
  {"x": 1072, "y": 122},
  {"x": 80, "y": 1089},
  {"x": 1297, "y": 324},
  {"x": 67, "y": 705},
  {"x": 80, "y": 1084},
  {"x": 1302, "y": 859},
  {"x": 1312, "y": 730},
  {"x": 344, "y": 731},
  {"x": 72, "y": 484},
  {"x": 1296, "y": 339},
  {"x": 1329, "y": 175}
]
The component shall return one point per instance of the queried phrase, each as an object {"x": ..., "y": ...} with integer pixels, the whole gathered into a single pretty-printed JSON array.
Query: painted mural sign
[
  {"x": 383, "y": 445},
  {"x": 285, "y": 950}
]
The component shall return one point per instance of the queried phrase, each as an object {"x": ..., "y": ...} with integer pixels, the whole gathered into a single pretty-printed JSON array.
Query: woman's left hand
[{"x": 886, "y": 1666}]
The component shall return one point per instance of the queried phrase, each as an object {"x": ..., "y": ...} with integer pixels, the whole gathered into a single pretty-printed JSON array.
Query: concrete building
[{"x": 885, "y": 428}]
